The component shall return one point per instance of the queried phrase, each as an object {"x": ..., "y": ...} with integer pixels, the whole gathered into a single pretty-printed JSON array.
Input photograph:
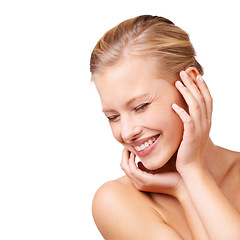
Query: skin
[{"x": 186, "y": 187}]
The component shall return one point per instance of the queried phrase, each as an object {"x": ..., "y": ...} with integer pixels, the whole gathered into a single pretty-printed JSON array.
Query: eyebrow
[
  {"x": 129, "y": 102},
  {"x": 137, "y": 98}
]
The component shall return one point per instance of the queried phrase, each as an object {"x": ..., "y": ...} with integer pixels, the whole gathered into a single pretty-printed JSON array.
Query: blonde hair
[{"x": 146, "y": 35}]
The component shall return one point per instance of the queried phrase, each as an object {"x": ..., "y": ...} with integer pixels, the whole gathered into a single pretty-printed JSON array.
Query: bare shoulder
[
  {"x": 235, "y": 170},
  {"x": 234, "y": 161},
  {"x": 122, "y": 212},
  {"x": 230, "y": 184},
  {"x": 237, "y": 158},
  {"x": 230, "y": 159}
]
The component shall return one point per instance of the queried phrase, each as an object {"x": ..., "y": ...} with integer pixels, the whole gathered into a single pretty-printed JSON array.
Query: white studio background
[{"x": 56, "y": 148}]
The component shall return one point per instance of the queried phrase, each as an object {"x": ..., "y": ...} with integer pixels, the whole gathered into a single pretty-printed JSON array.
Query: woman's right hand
[{"x": 170, "y": 183}]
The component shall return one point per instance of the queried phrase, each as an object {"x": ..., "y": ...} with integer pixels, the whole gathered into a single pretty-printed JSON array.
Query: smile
[{"x": 144, "y": 146}]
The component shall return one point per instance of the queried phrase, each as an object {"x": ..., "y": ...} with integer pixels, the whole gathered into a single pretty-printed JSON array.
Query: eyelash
[
  {"x": 111, "y": 119},
  {"x": 141, "y": 107},
  {"x": 137, "y": 109}
]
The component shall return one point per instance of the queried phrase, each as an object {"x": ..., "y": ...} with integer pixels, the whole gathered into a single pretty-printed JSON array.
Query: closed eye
[
  {"x": 141, "y": 107},
  {"x": 137, "y": 109},
  {"x": 112, "y": 118}
]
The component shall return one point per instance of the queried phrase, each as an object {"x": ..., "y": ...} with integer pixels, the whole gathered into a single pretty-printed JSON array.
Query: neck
[
  {"x": 214, "y": 158},
  {"x": 215, "y": 161}
]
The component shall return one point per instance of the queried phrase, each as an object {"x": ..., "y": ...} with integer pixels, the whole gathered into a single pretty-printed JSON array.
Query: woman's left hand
[{"x": 197, "y": 122}]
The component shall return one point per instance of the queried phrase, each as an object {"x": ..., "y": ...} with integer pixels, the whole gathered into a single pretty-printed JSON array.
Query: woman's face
[{"x": 138, "y": 105}]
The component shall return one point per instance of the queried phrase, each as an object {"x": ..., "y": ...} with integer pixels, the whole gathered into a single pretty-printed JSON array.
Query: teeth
[
  {"x": 137, "y": 148},
  {"x": 150, "y": 141},
  {"x": 146, "y": 144},
  {"x": 142, "y": 146}
]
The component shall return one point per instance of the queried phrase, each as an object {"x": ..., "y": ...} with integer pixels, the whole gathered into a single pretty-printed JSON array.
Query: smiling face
[{"x": 138, "y": 104}]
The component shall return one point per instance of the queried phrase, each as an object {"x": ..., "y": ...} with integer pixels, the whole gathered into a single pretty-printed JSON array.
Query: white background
[{"x": 56, "y": 148}]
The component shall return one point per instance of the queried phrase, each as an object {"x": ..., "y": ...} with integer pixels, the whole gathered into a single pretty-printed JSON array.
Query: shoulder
[
  {"x": 235, "y": 167},
  {"x": 116, "y": 195},
  {"x": 234, "y": 161},
  {"x": 121, "y": 192},
  {"x": 122, "y": 212},
  {"x": 230, "y": 159},
  {"x": 229, "y": 166}
]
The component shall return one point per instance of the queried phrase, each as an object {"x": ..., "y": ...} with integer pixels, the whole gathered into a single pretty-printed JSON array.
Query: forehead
[
  {"x": 126, "y": 80},
  {"x": 129, "y": 73}
]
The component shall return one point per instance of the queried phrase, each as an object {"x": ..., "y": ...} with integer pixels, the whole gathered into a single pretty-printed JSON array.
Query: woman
[{"x": 159, "y": 108}]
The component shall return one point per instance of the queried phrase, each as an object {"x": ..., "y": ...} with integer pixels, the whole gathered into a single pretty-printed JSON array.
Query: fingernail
[
  {"x": 185, "y": 74},
  {"x": 200, "y": 78},
  {"x": 179, "y": 84},
  {"x": 175, "y": 106}
]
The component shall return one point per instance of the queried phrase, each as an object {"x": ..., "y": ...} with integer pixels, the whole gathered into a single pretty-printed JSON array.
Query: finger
[
  {"x": 124, "y": 162},
  {"x": 206, "y": 95},
  {"x": 190, "y": 84},
  {"x": 134, "y": 170},
  {"x": 129, "y": 167},
  {"x": 195, "y": 91},
  {"x": 186, "y": 119},
  {"x": 143, "y": 178},
  {"x": 193, "y": 105}
]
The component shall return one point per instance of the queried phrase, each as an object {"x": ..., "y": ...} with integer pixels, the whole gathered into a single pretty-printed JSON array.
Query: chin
[
  {"x": 154, "y": 164},
  {"x": 165, "y": 163}
]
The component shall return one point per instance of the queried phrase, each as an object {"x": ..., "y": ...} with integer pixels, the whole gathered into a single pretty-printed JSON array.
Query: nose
[{"x": 130, "y": 129}]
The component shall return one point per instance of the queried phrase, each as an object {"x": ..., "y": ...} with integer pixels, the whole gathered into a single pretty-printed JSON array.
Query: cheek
[
  {"x": 176, "y": 127},
  {"x": 117, "y": 135},
  {"x": 116, "y": 132},
  {"x": 167, "y": 121}
]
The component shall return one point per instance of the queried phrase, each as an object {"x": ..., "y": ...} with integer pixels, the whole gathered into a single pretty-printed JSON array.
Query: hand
[
  {"x": 197, "y": 122},
  {"x": 145, "y": 180},
  {"x": 196, "y": 132}
]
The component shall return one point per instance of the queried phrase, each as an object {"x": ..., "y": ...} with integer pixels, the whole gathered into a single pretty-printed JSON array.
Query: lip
[{"x": 147, "y": 150}]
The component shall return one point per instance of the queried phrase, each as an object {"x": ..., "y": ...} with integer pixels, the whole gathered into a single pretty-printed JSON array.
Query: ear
[{"x": 192, "y": 72}]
